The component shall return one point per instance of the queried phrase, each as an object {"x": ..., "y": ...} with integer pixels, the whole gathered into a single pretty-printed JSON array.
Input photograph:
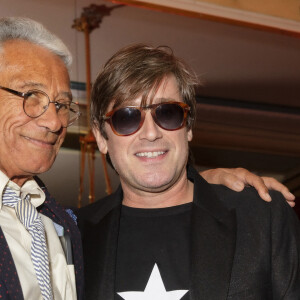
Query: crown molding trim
[{"x": 192, "y": 8}]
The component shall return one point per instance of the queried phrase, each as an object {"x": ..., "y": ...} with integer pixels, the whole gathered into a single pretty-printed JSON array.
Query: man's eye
[
  {"x": 62, "y": 105},
  {"x": 30, "y": 94}
]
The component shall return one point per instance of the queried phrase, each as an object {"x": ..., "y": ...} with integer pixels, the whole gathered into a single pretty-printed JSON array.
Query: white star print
[{"x": 155, "y": 289}]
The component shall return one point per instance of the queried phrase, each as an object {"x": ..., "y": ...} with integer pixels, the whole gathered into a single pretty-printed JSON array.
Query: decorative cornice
[{"x": 224, "y": 14}]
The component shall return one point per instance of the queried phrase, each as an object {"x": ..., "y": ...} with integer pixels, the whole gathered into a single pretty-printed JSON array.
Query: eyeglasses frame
[
  {"x": 108, "y": 116},
  {"x": 57, "y": 104}
]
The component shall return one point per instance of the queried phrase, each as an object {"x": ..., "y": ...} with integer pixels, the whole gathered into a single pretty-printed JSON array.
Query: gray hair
[{"x": 12, "y": 28}]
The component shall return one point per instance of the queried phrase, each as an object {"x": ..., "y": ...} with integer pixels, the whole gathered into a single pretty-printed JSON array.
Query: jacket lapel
[
  {"x": 10, "y": 287},
  {"x": 100, "y": 262},
  {"x": 212, "y": 243},
  {"x": 57, "y": 214}
]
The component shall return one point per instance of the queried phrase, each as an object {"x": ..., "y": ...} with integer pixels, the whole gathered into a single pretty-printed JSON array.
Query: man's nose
[
  {"x": 150, "y": 130},
  {"x": 50, "y": 119}
]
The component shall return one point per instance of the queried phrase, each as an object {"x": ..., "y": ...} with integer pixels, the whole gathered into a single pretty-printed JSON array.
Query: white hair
[{"x": 14, "y": 28}]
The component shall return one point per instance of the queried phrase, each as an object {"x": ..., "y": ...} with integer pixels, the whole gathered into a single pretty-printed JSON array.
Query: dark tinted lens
[
  {"x": 169, "y": 115},
  {"x": 126, "y": 120}
]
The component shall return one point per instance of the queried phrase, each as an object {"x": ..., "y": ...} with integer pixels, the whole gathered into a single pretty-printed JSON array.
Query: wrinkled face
[
  {"x": 152, "y": 159},
  {"x": 29, "y": 146}
]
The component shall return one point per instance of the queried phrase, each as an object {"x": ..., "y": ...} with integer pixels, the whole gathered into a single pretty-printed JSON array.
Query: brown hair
[{"x": 135, "y": 71}]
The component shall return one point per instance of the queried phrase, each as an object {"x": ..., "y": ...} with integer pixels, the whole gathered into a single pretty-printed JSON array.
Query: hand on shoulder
[{"x": 237, "y": 178}]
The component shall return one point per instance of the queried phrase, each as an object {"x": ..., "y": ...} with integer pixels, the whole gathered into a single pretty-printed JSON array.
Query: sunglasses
[{"x": 128, "y": 120}]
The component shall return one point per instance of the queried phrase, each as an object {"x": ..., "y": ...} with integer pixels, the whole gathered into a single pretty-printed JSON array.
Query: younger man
[{"x": 166, "y": 233}]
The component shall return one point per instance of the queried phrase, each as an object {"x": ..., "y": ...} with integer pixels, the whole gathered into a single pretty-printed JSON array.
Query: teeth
[{"x": 150, "y": 154}]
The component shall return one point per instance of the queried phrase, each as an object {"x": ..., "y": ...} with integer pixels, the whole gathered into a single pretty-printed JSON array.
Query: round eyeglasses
[
  {"x": 36, "y": 102},
  {"x": 128, "y": 120}
]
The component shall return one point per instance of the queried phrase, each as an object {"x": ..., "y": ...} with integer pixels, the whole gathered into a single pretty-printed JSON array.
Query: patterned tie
[{"x": 30, "y": 218}]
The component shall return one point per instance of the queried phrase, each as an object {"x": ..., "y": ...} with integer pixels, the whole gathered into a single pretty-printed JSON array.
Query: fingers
[
  {"x": 264, "y": 194},
  {"x": 225, "y": 177},
  {"x": 291, "y": 203},
  {"x": 237, "y": 178},
  {"x": 273, "y": 184},
  {"x": 256, "y": 181}
]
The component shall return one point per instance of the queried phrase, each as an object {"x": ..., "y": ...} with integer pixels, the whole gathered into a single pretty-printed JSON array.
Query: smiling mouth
[
  {"x": 36, "y": 141},
  {"x": 150, "y": 154}
]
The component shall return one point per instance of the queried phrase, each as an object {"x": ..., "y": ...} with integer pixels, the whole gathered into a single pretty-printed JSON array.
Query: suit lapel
[
  {"x": 99, "y": 261},
  {"x": 10, "y": 287},
  {"x": 57, "y": 214},
  {"x": 212, "y": 244}
]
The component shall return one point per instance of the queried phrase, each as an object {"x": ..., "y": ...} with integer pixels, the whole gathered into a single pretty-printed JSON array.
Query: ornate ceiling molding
[{"x": 220, "y": 13}]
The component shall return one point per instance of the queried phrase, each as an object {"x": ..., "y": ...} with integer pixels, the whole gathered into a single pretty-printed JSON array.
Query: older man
[
  {"x": 166, "y": 233},
  {"x": 40, "y": 243}
]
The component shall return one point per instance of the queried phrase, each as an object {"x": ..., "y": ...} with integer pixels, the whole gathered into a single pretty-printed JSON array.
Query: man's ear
[
  {"x": 101, "y": 141},
  {"x": 190, "y": 135}
]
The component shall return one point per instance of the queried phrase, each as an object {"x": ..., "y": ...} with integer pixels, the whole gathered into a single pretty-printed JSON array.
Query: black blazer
[
  {"x": 242, "y": 247},
  {"x": 10, "y": 287}
]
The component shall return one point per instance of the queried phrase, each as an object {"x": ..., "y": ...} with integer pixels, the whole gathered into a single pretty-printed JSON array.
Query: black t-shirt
[{"x": 153, "y": 256}]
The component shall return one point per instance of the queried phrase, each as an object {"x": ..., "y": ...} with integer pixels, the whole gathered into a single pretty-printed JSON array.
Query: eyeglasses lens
[
  {"x": 72, "y": 114},
  {"x": 126, "y": 120},
  {"x": 169, "y": 116},
  {"x": 35, "y": 104}
]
